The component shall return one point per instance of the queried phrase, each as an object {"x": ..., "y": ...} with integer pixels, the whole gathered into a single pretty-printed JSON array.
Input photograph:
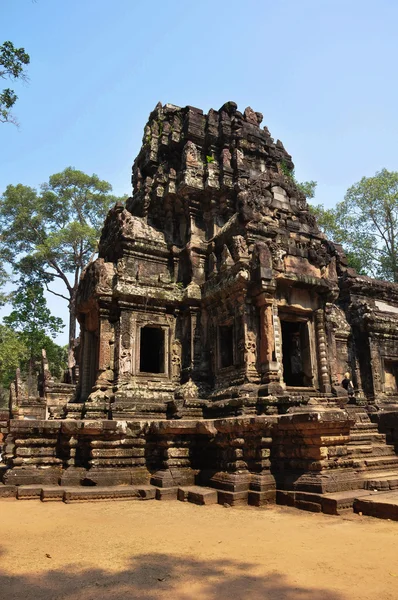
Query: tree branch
[
  {"x": 55, "y": 293},
  {"x": 62, "y": 275}
]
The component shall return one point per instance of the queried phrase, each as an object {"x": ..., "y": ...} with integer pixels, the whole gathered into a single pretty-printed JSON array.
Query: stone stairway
[
  {"x": 373, "y": 459},
  {"x": 376, "y": 466}
]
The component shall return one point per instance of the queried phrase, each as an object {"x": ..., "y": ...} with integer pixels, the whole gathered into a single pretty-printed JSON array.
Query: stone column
[
  {"x": 324, "y": 377},
  {"x": 375, "y": 367},
  {"x": 105, "y": 367},
  {"x": 270, "y": 347}
]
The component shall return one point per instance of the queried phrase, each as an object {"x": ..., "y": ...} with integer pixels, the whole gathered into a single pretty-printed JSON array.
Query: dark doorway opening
[
  {"x": 226, "y": 345},
  {"x": 296, "y": 352},
  {"x": 152, "y": 350}
]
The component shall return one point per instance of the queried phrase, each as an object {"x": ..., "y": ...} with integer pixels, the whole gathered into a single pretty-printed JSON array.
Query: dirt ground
[{"x": 173, "y": 550}]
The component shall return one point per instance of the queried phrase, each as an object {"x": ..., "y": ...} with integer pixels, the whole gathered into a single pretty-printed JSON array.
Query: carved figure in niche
[
  {"x": 277, "y": 253},
  {"x": 239, "y": 247},
  {"x": 176, "y": 359},
  {"x": 226, "y": 158},
  {"x": 125, "y": 362},
  {"x": 190, "y": 155},
  {"x": 147, "y": 197},
  {"x": 250, "y": 349},
  {"x": 127, "y": 339}
]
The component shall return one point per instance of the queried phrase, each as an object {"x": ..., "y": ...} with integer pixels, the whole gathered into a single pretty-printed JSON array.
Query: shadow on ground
[{"x": 154, "y": 576}]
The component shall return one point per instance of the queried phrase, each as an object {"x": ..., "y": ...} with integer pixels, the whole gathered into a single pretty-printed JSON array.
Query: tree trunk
[
  {"x": 30, "y": 378},
  {"x": 72, "y": 335}
]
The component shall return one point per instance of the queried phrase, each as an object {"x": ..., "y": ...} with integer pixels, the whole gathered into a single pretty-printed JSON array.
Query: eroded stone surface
[{"x": 218, "y": 324}]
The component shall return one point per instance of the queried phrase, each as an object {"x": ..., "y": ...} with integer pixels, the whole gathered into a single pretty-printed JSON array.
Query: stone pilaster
[{"x": 324, "y": 376}]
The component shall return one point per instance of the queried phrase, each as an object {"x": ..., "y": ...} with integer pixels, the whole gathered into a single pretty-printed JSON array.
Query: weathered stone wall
[
  {"x": 242, "y": 456},
  {"x": 218, "y": 250},
  {"x": 217, "y": 326}
]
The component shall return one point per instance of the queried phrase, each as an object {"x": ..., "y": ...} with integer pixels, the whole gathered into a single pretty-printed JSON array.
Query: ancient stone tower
[
  {"x": 215, "y": 291},
  {"x": 217, "y": 325}
]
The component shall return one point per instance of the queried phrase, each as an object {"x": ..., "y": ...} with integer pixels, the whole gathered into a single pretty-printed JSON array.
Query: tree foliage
[
  {"x": 366, "y": 224},
  {"x": 32, "y": 318},
  {"x": 13, "y": 353},
  {"x": 308, "y": 188},
  {"x": 53, "y": 232},
  {"x": 30, "y": 327},
  {"x": 12, "y": 66}
]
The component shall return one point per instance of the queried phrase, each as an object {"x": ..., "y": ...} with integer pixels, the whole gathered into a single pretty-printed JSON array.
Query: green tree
[
  {"x": 13, "y": 353},
  {"x": 366, "y": 224},
  {"x": 12, "y": 66},
  {"x": 32, "y": 319},
  {"x": 54, "y": 232},
  {"x": 308, "y": 188},
  {"x": 57, "y": 357}
]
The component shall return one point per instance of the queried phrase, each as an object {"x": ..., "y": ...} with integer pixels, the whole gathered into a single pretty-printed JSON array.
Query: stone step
[
  {"x": 48, "y": 493},
  {"x": 166, "y": 493},
  {"x": 365, "y": 436},
  {"x": 7, "y": 491},
  {"x": 372, "y": 449},
  {"x": 233, "y": 498},
  {"x": 381, "y": 481},
  {"x": 382, "y": 505},
  {"x": 335, "y": 503},
  {"x": 197, "y": 495},
  {"x": 375, "y": 462},
  {"x": 108, "y": 493},
  {"x": 365, "y": 427}
]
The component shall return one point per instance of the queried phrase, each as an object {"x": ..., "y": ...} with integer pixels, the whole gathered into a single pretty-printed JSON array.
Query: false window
[
  {"x": 390, "y": 376},
  {"x": 226, "y": 346}
]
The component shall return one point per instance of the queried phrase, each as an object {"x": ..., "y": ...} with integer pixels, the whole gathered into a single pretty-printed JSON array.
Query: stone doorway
[
  {"x": 296, "y": 353},
  {"x": 152, "y": 350}
]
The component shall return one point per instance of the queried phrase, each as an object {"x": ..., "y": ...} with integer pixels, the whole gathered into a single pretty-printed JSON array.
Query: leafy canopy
[
  {"x": 366, "y": 224},
  {"x": 32, "y": 324},
  {"x": 54, "y": 232},
  {"x": 31, "y": 318},
  {"x": 12, "y": 66},
  {"x": 13, "y": 352}
]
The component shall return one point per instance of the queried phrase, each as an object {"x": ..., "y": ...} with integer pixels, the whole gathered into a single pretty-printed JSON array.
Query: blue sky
[{"x": 322, "y": 72}]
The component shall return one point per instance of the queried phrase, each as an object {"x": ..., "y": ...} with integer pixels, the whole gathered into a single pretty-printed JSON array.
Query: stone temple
[{"x": 217, "y": 326}]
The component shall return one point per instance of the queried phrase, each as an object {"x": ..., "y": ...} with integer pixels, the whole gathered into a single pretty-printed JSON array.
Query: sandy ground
[{"x": 173, "y": 550}]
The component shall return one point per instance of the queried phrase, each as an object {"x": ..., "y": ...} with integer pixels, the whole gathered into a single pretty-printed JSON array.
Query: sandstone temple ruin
[{"x": 217, "y": 325}]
